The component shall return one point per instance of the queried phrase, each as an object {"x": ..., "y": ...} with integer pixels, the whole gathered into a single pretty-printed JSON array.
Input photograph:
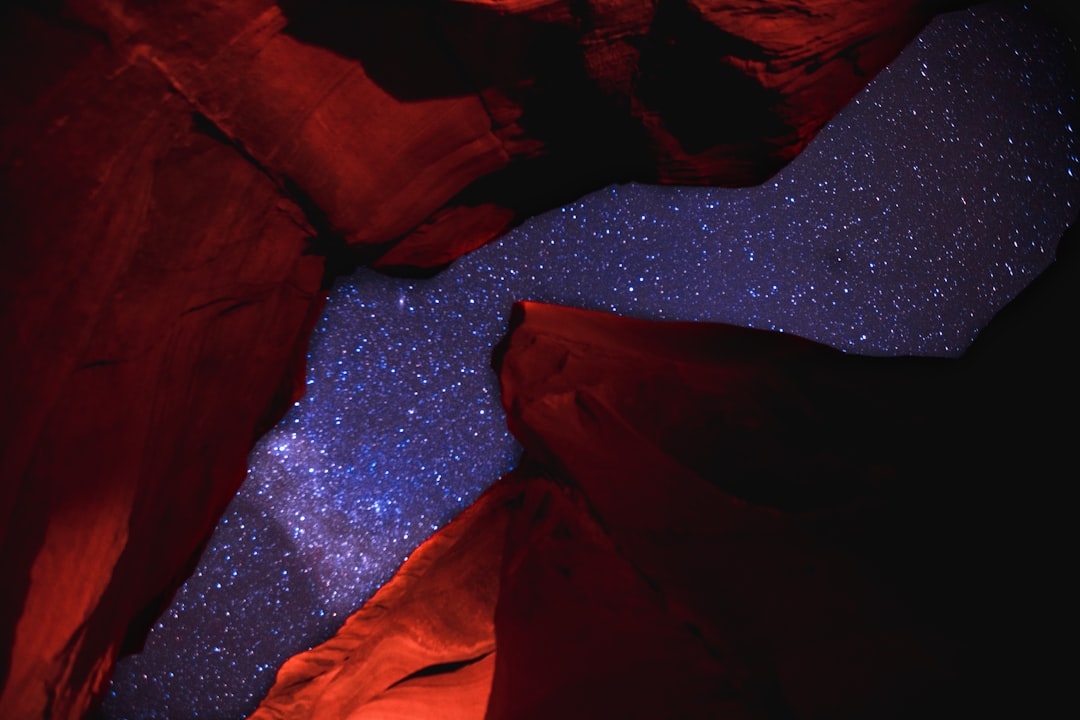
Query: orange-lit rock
[{"x": 424, "y": 645}]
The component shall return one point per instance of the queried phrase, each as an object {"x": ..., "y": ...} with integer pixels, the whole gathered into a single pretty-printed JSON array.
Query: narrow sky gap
[{"x": 926, "y": 205}]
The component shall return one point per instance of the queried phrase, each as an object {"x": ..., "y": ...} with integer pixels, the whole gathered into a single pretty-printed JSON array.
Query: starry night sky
[{"x": 926, "y": 205}]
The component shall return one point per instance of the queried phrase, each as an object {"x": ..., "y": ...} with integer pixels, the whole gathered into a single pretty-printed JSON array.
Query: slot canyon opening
[{"x": 934, "y": 198}]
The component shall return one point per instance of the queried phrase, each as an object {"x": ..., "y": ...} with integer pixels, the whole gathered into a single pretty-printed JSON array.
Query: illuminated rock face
[{"x": 180, "y": 177}]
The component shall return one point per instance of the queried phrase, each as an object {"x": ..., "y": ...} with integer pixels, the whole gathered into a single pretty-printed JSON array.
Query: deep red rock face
[
  {"x": 175, "y": 172},
  {"x": 748, "y": 486},
  {"x": 157, "y": 306}
]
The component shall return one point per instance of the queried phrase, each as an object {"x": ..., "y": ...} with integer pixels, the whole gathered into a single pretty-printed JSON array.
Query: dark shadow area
[
  {"x": 530, "y": 72},
  {"x": 1017, "y": 461},
  {"x": 447, "y": 668},
  {"x": 678, "y": 53}
]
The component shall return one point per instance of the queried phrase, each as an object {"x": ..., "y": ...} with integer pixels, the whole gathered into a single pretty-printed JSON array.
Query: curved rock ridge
[
  {"x": 181, "y": 178},
  {"x": 415, "y": 647}
]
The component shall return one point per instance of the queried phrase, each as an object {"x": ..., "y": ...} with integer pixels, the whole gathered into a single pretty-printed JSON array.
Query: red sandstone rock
[
  {"x": 424, "y": 645},
  {"x": 156, "y": 311},
  {"x": 737, "y": 473},
  {"x": 720, "y": 522},
  {"x": 167, "y": 167},
  {"x": 692, "y": 535},
  {"x": 423, "y": 130}
]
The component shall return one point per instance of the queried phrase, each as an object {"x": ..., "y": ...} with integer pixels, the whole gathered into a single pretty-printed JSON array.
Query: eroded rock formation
[
  {"x": 720, "y": 522},
  {"x": 180, "y": 178}
]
